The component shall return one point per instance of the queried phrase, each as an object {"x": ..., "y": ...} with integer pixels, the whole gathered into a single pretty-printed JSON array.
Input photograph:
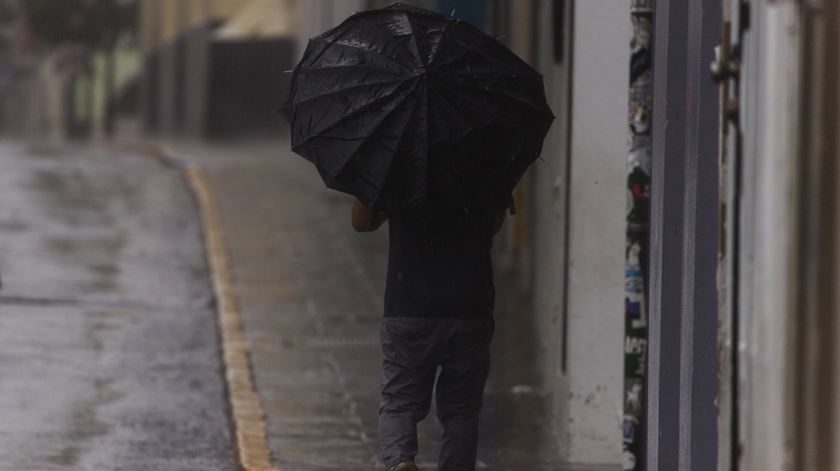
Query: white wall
[
  {"x": 588, "y": 396},
  {"x": 549, "y": 215},
  {"x": 768, "y": 243}
]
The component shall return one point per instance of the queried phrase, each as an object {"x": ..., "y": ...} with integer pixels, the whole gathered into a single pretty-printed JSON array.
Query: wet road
[
  {"x": 108, "y": 349},
  {"x": 311, "y": 299},
  {"x": 109, "y": 356}
]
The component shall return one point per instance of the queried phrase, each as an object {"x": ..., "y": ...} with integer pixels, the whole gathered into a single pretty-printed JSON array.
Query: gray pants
[{"x": 413, "y": 348}]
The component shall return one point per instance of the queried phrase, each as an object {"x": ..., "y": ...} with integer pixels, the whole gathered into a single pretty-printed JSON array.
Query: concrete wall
[
  {"x": 549, "y": 193},
  {"x": 597, "y": 224},
  {"x": 226, "y": 8},
  {"x": 166, "y": 120},
  {"x": 235, "y": 110},
  {"x": 179, "y": 39},
  {"x": 196, "y": 67},
  {"x": 588, "y": 393},
  {"x": 768, "y": 301}
]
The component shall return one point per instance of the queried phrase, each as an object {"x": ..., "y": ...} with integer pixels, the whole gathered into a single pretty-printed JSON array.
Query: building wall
[
  {"x": 768, "y": 300},
  {"x": 145, "y": 18},
  {"x": 584, "y": 365},
  {"x": 597, "y": 225},
  {"x": 169, "y": 18},
  {"x": 179, "y": 39},
  {"x": 164, "y": 103},
  {"x": 248, "y": 111},
  {"x": 225, "y": 8},
  {"x": 197, "y": 12},
  {"x": 167, "y": 78},
  {"x": 197, "y": 62},
  {"x": 549, "y": 193},
  {"x": 817, "y": 305}
]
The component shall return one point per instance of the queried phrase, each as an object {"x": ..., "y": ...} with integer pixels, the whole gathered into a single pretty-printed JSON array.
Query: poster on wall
[{"x": 636, "y": 253}]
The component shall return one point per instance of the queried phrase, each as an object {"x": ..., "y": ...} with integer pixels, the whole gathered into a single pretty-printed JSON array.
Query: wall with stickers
[{"x": 636, "y": 256}]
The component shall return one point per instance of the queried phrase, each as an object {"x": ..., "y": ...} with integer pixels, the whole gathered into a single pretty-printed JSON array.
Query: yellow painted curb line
[{"x": 246, "y": 407}]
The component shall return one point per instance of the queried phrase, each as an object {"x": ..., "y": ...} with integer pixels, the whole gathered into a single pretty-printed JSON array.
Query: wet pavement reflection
[
  {"x": 108, "y": 342},
  {"x": 108, "y": 347}
]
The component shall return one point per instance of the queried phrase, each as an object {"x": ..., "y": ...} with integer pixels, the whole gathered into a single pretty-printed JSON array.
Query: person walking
[
  {"x": 439, "y": 300},
  {"x": 430, "y": 123}
]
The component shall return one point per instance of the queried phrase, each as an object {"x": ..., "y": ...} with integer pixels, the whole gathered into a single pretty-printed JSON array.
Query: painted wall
[
  {"x": 162, "y": 21},
  {"x": 177, "y": 40},
  {"x": 597, "y": 225},
  {"x": 548, "y": 233},
  {"x": 225, "y": 8},
  {"x": 260, "y": 19},
  {"x": 768, "y": 301},
  {"x": 636, "y": 273},
  {"x": 588, "y": 391}
]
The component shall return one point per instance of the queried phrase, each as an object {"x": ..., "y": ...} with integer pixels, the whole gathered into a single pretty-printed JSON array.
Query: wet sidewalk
[{"x": 311, "y": 293}]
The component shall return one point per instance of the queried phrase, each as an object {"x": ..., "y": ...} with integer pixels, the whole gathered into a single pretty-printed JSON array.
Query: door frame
[{"x": 682, "y": 384}]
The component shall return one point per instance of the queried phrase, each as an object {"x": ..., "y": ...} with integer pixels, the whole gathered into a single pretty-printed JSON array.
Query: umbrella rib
[
  {"x": 399, "y": 145},
  {"x": 443, "y": 37},
  {"x": 453, "y": 107},
  {"x": 372, "y": 131},
  {"x": 349, "y": 66},
  {"x": 328, "y": 43},
  {"x": 353, "y": 113},
  {"x": 502, "y": 94},
  {"x": 481, "y": 45},
  {"x": 350, "y": 46},
  {"x": 492, "y": 73},
  {"x": 414, "y": 40},
  {"x": 345, "y": 90}
]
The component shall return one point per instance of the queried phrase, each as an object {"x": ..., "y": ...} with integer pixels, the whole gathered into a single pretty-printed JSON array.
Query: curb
[{"x": 245, "y": 405}]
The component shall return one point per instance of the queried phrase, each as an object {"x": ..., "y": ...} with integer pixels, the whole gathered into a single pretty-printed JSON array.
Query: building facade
[
  {"x": 734, "y": 280},
  {"x": 198, "y": 55}
]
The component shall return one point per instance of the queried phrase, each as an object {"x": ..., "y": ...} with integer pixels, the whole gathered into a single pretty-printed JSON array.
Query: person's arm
[{"x": 366, "y": 220}]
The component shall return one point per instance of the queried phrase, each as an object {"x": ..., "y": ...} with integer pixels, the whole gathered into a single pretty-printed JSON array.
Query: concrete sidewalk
[{"x": 311, "y": 297}]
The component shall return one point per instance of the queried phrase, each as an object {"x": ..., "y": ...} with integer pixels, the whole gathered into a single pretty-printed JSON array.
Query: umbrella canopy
[{"x": 402, "y": 106}]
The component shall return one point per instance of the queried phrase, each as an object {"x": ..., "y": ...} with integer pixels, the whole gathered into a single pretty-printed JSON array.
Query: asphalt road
[{"x": 108, "y": 346}]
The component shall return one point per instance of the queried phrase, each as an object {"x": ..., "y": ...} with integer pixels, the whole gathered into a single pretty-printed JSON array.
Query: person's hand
[
  {"x": 365, "y": 219},
  {"x": 500, "y": 220}
]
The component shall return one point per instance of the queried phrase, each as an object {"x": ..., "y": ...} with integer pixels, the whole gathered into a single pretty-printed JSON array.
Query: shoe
[{"x": 407, "y": 466}]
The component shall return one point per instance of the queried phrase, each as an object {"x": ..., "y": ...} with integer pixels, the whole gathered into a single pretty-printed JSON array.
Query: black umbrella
[{"x": 402, "y": 106}]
